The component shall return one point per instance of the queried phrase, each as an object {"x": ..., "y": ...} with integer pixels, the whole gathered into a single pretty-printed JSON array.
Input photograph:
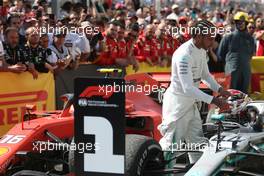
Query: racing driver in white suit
[{"x": 181, "y": 121}]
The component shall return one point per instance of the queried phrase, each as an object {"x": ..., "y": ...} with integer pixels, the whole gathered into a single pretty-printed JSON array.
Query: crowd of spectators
[{"x": 109, "y": 33}]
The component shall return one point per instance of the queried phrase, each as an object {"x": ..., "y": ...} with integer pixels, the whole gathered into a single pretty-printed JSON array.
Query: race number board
[{"x": 99, "y": 125}]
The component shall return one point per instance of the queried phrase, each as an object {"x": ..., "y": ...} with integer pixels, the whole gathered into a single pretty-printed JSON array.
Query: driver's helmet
[
  {"x": 238, "y": 99},
  {"x": 235, "y": 94}
]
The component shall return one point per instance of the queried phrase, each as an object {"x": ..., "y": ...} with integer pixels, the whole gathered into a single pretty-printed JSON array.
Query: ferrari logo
[{"x": 3, "y": 150}]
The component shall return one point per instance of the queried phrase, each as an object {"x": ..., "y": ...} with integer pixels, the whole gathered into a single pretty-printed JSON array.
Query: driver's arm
[{"x": 184, "y": 70}]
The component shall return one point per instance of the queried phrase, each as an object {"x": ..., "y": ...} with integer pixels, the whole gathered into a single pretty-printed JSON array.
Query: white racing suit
[{"x": 181, "y": 119}]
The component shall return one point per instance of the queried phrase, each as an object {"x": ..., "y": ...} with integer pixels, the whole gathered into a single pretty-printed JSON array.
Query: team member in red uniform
[
  {"x": 122, "y": 52},
  {"x": 110, "y": 49},
  {"x": 172, "y": 43},
  {"x": 131, "y": 36},
  {"x": 161, "y": 43},
  {"x": 146, "y": 49},
  {"x": 183, "y": 25},
  {"x": 124, "y": 55}
]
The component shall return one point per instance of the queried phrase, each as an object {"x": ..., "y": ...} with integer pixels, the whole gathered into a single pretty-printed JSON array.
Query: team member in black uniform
[
  {"x": 14, "y": 56},
  {"x": 36, "y": 54}
]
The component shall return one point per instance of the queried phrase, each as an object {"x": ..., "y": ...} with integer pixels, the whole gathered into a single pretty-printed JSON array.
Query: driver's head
[{"x": 203, "y": 33}]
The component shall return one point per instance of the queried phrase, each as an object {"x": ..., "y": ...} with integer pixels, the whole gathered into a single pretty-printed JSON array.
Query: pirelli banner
[{"x": 19, "y": 90}]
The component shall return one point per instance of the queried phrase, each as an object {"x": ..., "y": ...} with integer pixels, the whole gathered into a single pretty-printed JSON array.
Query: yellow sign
[
  {"x": 3, "y": 150},
  {"x": 257, "y": 64},
  {"x": 145, "y": 68},
  {"x": 19, "y": 90},
  {"x": 257, "y": 77}
]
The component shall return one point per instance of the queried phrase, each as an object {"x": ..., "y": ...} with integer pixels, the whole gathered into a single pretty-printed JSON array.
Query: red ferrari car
[{"x": 18, "y": 155}]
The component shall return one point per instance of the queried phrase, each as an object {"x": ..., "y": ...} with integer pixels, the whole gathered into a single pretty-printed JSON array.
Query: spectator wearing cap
[
  {"x": 131, "y": 19},
  {"x": 175, "y": 12},
  {"x": 146, "y": 48},
  {"x": 171, "y": 21}
]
